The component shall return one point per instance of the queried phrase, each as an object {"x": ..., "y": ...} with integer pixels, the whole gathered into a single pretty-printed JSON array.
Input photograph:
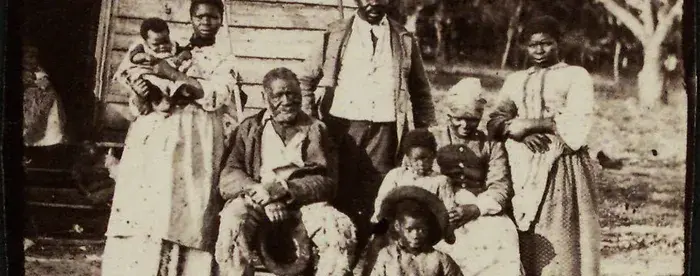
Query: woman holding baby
[
  {"x": 165, "y": 207},
  {"x": 477, "y": 169}
]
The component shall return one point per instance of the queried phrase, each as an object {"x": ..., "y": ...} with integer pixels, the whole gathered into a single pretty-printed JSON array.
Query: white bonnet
[{"x": 465, "y": 99}]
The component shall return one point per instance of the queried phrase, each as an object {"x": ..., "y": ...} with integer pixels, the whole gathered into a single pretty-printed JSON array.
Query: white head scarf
[{"x": 465, "y": 99}]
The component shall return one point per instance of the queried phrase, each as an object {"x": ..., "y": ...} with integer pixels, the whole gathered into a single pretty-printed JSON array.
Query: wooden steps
[{"x": 55, "y": 204}]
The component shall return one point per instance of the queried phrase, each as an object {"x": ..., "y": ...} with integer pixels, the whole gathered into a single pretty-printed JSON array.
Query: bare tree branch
[
  {"x": 512, "y": 28},
  {"x": 627, "y": 18},
  {"x": 666, "y": 22},
  {"x": 647, "y": 17},
  {"x": 663, "y": 9}
]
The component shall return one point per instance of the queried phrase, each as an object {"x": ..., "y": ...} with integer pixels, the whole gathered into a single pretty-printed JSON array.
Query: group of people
[{"x": 376, "y": 190}]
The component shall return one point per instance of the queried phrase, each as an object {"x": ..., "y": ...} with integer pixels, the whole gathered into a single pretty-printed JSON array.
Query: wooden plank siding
[
  {"x": 296, "y": 14},
  {"x": 264, "y": 34},
  {"x": 293, "y": 44}
]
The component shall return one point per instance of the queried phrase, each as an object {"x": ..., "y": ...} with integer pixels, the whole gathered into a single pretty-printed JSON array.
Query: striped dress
[{"x": 554, "y": 203}]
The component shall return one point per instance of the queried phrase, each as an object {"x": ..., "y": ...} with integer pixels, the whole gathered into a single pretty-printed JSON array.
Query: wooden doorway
[{"x": 65, "y": 32}]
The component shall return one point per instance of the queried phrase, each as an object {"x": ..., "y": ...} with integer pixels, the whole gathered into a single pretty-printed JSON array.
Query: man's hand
[
  {"x": 537, "y": 142},
  {"x": 259, "y": 195},
  {"x": 276, "y": 212},
  {"x": 463, "y": 214}
]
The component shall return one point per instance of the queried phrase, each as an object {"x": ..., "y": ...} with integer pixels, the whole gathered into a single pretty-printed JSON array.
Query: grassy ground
[{"x": 641, "y": 206}]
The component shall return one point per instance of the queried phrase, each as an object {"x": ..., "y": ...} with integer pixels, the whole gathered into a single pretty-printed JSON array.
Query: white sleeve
[
  {"x": 487, "y": 205},
  {"x": 219, "y": 87},
  {"x": 575, "y": 119},
  {"x": 389, "y": 182}
]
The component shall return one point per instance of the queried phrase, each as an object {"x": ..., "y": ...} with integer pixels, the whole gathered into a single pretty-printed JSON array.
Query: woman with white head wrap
[
  {"x": 464, "y": 99},
  {"x": 486, "y": 238}
]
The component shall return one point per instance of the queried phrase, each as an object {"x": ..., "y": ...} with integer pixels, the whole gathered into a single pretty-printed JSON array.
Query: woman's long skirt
[
  {"x": 565, "y": 237},
  {"x": 154, "y": 257}
]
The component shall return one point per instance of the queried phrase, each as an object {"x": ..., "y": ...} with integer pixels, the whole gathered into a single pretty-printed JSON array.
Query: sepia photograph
[{"x": 354, "y": 137}]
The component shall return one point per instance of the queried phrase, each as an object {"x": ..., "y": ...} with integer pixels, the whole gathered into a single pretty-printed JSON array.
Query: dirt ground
[{"x": 641, "y": 205}]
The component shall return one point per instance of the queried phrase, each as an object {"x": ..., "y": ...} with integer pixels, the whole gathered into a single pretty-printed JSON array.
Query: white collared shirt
[
  {"x": 278, "y": 160},
  {"x": 366, "y": 84}
]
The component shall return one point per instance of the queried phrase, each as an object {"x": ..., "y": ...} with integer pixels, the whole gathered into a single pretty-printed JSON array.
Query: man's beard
[{"x": 285, "y": 116}]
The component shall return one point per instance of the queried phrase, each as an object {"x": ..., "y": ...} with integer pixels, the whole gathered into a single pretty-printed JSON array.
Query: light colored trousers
[{"x": 331, "y": 231}]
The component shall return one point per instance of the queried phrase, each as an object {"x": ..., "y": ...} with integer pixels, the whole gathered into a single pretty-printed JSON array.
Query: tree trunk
[
  {"x": 512, "y": 27},
  {"x": 616, "y": 62},
  {"x": 509, "y": 41},
  {"x": 440, "y": 49},
  {"x": 650, "y": 78}
]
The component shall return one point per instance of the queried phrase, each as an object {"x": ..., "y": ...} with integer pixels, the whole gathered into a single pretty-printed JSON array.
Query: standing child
[
  {"x": 141, "y": 59},
  {"x": 418, "y": 222}
]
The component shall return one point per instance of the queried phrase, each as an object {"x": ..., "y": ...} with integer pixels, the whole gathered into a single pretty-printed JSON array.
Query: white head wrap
[{"x": 465, "y": 99}]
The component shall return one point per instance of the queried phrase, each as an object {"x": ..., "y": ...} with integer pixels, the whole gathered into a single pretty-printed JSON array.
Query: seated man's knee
[
  {"x": 235, "y": 207},
  {"x": 333, "y": 229},
  {"x": 235, "y": 231}
]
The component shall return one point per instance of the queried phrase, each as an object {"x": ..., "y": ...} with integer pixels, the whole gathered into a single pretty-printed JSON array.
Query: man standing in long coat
[{"x": 374, "y": 89}]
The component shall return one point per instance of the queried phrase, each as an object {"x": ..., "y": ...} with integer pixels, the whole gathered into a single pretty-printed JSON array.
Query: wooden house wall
[{"x": 263, "y": 34}]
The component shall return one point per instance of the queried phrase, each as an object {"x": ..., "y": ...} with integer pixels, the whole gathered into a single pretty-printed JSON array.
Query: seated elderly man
[{"x": 281, "y": 160}]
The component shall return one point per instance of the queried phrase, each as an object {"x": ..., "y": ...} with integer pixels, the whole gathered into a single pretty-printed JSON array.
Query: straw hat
[
  {"x": 427, "y": 200},
  {"x": 285, "y": 249}
]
